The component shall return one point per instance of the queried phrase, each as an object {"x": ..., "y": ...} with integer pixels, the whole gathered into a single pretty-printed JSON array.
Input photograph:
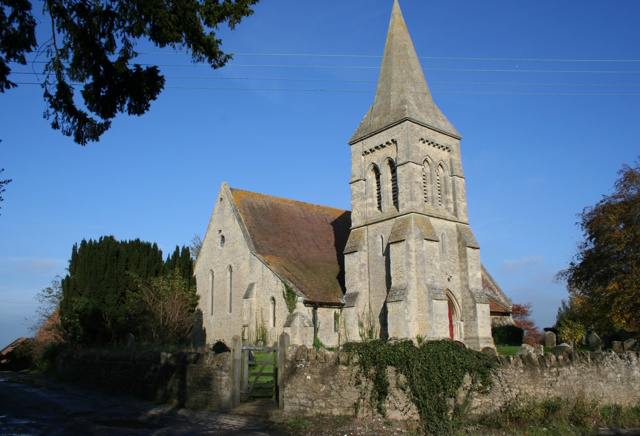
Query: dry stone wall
[
  {"x": 323, "y": 382},
  {"x": 196, "y": 380}
]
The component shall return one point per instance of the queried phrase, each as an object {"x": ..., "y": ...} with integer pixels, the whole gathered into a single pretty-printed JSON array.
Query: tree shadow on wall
[{"x": 199, "y": 334}]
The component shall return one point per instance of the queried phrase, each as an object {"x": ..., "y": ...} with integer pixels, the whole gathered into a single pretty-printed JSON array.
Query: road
[{"x": 31, "y": 405}]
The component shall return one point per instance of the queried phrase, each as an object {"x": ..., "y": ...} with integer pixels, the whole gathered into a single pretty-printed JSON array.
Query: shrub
[{"x": 507, "y": 335}]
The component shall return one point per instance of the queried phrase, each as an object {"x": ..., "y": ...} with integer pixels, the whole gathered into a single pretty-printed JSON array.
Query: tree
[
  {"x": 3, "y": 183},
  {"x": 603, "y": 279},
  {"x": 17, "y": 37},
  {"x": 195, "y": 247},
  {"x": 166, "y": 306},
  {"x": 92, "y": 46},
  {"x": 521, "y": 314},
  {"x": 49, "y": 299},
  {"x": 100, "y": 304},
  {"x": 568, "y": 323}
]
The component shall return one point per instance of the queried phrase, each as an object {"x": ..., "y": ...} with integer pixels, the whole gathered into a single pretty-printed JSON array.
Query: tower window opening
[
  {"x": 439, "y": 185},
  {"x": 376, "y": 174},
  {"x": 426, "y": 173},
  {"x": 394, "y": 184}
]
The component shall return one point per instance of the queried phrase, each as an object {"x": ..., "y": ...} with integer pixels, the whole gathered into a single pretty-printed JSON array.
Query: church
[{"x": 403, "y": 263}]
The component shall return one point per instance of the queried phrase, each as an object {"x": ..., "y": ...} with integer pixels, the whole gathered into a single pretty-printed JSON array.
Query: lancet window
[
  {"x": 211, "y": 284},
  {"x": 230, "y": 272},
  {"x": 273, "y": 312},
  {"x": 377, "y": 188},
  {"x": 426, "y": 181},
  {"x": 394, "y": 183}
]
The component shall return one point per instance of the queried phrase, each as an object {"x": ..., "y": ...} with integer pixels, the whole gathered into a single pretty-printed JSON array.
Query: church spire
[{"x": 402, "y": 93}]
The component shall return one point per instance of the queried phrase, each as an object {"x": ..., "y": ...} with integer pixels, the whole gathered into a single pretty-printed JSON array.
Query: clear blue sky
[{"x": 544, "y": 128}]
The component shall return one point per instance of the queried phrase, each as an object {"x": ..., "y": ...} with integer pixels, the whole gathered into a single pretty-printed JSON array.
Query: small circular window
[{"x": 221, "y": 240}]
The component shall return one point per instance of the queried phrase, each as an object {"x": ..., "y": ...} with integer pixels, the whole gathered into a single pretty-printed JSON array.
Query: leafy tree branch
[{"x": 93, "y": 47}]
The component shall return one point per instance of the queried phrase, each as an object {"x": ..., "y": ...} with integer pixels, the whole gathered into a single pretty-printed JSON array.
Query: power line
[
  {"x": 291, "y": 79},
  {"x": 361, "y": 67},
  {"x": 372, "y": 91},
  {"x": 445, "y": 58}
]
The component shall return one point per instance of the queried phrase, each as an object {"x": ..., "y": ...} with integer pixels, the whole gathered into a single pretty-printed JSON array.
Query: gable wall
[{"x": 246, "y": 313}]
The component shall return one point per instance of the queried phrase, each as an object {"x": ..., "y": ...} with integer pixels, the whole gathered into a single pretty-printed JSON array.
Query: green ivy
[
  {"x": 290, "y": 297},
  {"x": 435, "y": 375}
]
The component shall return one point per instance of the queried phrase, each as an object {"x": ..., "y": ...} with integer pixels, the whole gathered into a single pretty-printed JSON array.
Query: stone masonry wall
[
  {"x": 196, "y": 380},
  {"x": 322, "y": 382}
]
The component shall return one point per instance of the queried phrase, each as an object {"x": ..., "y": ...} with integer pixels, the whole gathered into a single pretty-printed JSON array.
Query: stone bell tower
[{"x": 412, "y": 264}]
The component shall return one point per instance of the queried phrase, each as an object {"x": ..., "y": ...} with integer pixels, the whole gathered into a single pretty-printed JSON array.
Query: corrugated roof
[
  {"x": 301, "y": 242},
  {"x": 402, "y": 93}
]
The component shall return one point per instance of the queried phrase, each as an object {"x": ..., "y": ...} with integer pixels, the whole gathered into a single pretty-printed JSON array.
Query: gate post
[
  {"x": 283, "y": 343},
  {"x": 236, "y": 370}
]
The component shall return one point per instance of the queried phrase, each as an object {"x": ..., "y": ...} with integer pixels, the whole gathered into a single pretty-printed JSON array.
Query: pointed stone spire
[{"x": 402, "y": 93}]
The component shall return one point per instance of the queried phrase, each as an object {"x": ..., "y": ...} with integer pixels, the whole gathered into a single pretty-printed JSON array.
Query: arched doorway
[{"x": 455, "y": 324}]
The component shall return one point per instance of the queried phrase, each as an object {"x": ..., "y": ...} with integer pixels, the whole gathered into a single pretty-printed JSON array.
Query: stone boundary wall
[
  {"x": 196, "y": 380},
  {"x": 323, "y": 382}
]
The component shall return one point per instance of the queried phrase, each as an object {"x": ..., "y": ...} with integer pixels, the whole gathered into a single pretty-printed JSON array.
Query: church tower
[{"x": 412, "y": 264}]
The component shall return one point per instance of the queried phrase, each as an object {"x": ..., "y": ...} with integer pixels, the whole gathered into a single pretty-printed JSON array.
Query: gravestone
[
  {"x": 524, "y": 349},
  {"x": 562, "y": 349},
  {"x": 617, "y": 346},
  {"x": 539, "y": 350},
  {"x": 629, "y": 343},
  {"x": 549, "y": 339},
  {"x": 594, "y": 342}
]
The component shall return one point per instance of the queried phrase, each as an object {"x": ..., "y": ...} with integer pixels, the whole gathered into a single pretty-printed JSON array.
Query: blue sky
[{"x": 545, "y": 130}]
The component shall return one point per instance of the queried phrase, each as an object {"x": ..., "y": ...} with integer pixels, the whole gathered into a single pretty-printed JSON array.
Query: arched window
[
  {"x": 273, "y": 312},
  {"x": 211, "y": 282},
  {"x": 375, "y": 173},
  {"x": 394, "y": 183},
  {"x": 443, "y": 243},
  {"x": 230, "y": 288},
  {"x": 440, "y": 174},
  {"x": 426, "y": 181}
]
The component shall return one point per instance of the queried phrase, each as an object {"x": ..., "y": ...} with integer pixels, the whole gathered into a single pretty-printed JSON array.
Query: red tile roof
[
  {"x": 301, "y": 242},
  {"x": 304, "y": 243}
]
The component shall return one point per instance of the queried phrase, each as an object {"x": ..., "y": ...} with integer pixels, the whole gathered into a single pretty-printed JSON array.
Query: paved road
[{"x": 38, "y": 406}]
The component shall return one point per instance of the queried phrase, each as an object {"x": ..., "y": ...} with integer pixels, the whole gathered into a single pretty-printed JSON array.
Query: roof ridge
[{"x": 233, "y": 190}]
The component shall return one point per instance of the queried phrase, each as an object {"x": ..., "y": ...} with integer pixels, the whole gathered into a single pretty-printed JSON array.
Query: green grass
[
  {"x": 557, "y": 416},
  {"x": 254, "y": 370},
  {"x": 507, "y": 350}
]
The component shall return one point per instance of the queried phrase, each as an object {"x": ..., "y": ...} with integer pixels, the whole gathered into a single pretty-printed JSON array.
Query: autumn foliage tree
[
  {"x": 603, "y": 279},
  {"x": 521, "y": 314}
]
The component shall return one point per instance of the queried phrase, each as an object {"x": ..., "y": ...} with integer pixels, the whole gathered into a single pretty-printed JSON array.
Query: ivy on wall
[
  {"x": 441, "y": 377},
  {"x": 290, "y": 297}
]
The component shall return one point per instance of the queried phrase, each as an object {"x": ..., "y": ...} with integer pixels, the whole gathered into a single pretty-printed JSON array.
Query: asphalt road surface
[{"x": 32, "y": 405}]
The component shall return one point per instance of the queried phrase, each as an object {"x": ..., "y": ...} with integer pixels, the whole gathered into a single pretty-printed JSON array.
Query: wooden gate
[{"x": 259, "y": 372}]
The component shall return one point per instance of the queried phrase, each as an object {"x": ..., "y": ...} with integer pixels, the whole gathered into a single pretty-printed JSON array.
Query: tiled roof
[
  {"x": 498, "y": 301},
  {"x": 50, "y": 331},
  {"x": 304, "y": 243},
  {"x": 301, "y": 242}
]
